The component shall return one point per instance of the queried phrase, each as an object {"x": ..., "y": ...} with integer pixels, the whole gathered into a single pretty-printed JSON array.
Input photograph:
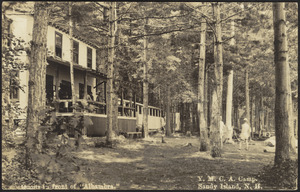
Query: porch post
[
  {"x": 122, "y": 103},
  {"x": 134, "y": 105},
  {"x": 85, "y": 86},
  {"x": 130, "y": 103},
  {"x": 57, "y": 88}
]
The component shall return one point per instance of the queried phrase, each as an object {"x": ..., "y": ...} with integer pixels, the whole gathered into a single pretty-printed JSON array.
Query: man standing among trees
[{"x": 245, "y": 134}]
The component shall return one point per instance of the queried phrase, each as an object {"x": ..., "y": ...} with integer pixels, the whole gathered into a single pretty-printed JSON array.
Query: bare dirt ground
[
  {"x": 152, "y": 165},
  {"x": 149, "y": 164}
]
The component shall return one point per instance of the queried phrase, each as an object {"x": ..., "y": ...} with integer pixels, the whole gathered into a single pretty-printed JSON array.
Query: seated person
[
  {"x": 98, "y": 98},
  {"x": 90, "y": 97}
]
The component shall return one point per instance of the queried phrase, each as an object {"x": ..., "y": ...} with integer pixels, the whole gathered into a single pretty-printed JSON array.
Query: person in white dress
[
  {"x": 222, "y": 130},
  {"x": 245, "y": 134}
]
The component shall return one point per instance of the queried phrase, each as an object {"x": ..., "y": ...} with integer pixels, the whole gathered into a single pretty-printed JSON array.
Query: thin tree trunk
[
  {"x": 182, "y": 117},
  {"x": 188, "y": 118},
  {"x": 283, "y": 86},
  {"x": 238, "y": 118},
  {"x": 116, "y": 84},
  {"x": 145, "y": 84},
  {"x": 37, "y": 79},
  {"x": 206, "y": 93},
  {"x": 201, "y": 90},
  {"x": 215, "y": 140},
  {"x": 229, "y": 106},
  {"x": 209, "y": 104},
  {"x": 110, "y": 74},
  {"x": 261, "y": 116},
  {"x": 71, "y": 56},
  {"x": 230, "y": 93},
  {"x": 257, "y": 127},
  {"x": 77, "y": 134},
  {"x": 247, "y": 95},
  {"x": 130, "y": 101},
  {"x": 267, "y": 120},
  {"x": 168, "y": 127},
  {"x": 252, "y": 116},
  {"x": 115, "y": 110}
]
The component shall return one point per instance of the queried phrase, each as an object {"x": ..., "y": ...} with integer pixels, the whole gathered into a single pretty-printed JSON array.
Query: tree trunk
[
  {"x": 209, "y": 104},
  {"x": 229, "y": 106},
  {"x": 261, "y": 116},
  {"x": 267, "y": 120},
  {"x": 145, "y": 84},
  {"x": 168, "y": 125},
  {"x": 182, "y": 118},
  {"x": 283, "y": 86},
  {"x": 257, "y": 127},
  {"x": 77, "y": 134},
  {"x": 116, "y": 84},
  {"x": 115, "y": 125},
  {"x": 252, "y": 116},
  {"x": 201, "y": 90},
  {"x": 247, "y": 95},
  {"x": 215, "y": 139},
  {"x": 230, "y": 92},
  {"x": 206, "y": 93},
  {"x": 71, "y": 56},
  {"x": 130, "y": 102},
  {"x": 188, "y": 118},
  {"x": 110, "y": 73},
  {"x": 37, "y": 79}
]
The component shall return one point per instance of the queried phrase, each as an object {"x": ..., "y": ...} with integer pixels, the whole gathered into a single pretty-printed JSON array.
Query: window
[
  {"x": 89, "y": 57},
  {"x": 58, "y": 44},
  {"x": 14, "y": 88},
  {"x": 65, "y": 90},
  {"x": 81, "y": 90},
  {"x": 49, "y": 88},
  {"x": 75, "y": 52}
]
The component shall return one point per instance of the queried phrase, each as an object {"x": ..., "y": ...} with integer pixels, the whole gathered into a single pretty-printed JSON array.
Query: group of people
[{"x": 244, "y": 135}]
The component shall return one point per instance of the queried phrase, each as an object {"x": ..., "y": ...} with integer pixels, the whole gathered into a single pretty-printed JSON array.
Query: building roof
[{"x": 76, "y": 66}]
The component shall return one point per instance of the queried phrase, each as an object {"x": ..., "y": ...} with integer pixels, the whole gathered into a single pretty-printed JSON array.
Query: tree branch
[
  {"x": 164, "y": 32},
  {"x": 153, "y": 17}
]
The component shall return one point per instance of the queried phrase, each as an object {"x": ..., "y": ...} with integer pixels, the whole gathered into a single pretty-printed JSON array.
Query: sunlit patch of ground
[
  {"x": 176, "y": 164},
  {"x": 105, "y": 157}
]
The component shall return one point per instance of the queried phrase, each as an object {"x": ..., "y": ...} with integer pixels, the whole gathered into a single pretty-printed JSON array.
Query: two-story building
[{"x": 89, "y": 83}]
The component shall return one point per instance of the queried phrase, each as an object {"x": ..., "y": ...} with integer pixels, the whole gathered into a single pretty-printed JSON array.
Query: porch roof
[{"x": 76, "y": 66}]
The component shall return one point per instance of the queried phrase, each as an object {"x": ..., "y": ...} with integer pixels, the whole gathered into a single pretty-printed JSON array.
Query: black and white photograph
[{"x": 124, "y": 95}]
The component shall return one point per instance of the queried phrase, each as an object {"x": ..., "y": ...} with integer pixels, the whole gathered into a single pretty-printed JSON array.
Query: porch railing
[{"x": 65, "y": 106}]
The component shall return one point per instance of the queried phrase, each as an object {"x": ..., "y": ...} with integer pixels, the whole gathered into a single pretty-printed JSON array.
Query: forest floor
[
  {"x": 149, "y": 164},
  {"x": 175, "y": 165}
]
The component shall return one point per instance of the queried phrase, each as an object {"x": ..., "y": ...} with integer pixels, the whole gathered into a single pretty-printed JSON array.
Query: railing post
[
  {"x": 122, "y": 103},
  {"x": 135, "y": 107}
]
